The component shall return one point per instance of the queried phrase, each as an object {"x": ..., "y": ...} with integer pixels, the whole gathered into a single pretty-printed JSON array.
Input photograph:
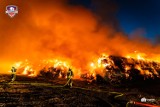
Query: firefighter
[
  {"x": 13, "y": 75},
  {"x": 69, "y": 78}
]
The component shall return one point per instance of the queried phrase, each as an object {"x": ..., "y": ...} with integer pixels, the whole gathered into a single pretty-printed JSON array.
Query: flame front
[{"x": 105, "y": 65}]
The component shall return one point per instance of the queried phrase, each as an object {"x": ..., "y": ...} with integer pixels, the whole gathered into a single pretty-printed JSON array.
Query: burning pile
[
  {"x": 33, "y": 69},
  {"x": 107, "y": 66},
  {"x": 113, "y": 64}
]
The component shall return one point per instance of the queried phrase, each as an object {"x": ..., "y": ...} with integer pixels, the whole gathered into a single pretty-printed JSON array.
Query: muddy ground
[{"x": 39, "y": 92}]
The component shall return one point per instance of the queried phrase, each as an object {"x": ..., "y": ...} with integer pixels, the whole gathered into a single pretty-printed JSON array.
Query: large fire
[
  {"x": 57, "y": 35},
  {"x": 105, "y": 65}
]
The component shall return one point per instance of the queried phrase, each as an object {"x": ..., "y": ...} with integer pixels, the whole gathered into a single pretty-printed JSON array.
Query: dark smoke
[{"x": 106, "y": 12}]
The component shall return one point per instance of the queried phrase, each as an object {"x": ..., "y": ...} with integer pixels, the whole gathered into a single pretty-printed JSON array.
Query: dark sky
[
  {"x": 134, "y": 15},
  {"x": 144, "y": 14}
]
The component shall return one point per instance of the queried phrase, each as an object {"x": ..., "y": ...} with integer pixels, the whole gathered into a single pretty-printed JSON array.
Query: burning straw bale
[
  {"x": 51, "y": 73},
  {"x": 126, "y": 69},
  {"x": 111, "y": 68}
]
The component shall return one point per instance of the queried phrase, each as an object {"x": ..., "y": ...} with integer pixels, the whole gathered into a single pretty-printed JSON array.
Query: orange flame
[{"x": 56, "y": 34}]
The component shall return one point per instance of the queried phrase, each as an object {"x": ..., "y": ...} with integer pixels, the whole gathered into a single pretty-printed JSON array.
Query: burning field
[{"x": 47, "y": 38}]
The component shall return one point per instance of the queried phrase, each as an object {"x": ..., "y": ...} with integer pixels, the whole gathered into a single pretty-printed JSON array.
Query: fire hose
[
  {"x": 67, "y": 82},
  {"x": 140, "y": 104},
  {"x": 115, "y": 97},
  {"x": 132, "y": 102}
]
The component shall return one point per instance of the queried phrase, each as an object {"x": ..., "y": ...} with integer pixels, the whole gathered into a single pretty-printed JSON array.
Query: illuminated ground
[{"x": 27, "y": 91}]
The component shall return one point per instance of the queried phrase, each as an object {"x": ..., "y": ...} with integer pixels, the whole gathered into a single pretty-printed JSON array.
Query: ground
[{"x": 35, "y": 91}]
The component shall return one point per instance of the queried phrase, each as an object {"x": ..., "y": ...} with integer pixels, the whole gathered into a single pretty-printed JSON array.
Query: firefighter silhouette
[
  {"x": 13, "y": 75},
  {"x": 69, "y": 78}
]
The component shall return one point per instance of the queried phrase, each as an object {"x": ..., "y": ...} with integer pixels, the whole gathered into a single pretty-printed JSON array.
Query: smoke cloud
[{"x": 55, "y": 28}]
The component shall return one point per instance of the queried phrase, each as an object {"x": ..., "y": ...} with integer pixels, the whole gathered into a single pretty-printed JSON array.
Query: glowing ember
[{"x": 104, "y": 66}]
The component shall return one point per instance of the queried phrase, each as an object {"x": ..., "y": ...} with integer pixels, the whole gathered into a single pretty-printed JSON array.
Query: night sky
[{"x": 142, "y": 16}]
